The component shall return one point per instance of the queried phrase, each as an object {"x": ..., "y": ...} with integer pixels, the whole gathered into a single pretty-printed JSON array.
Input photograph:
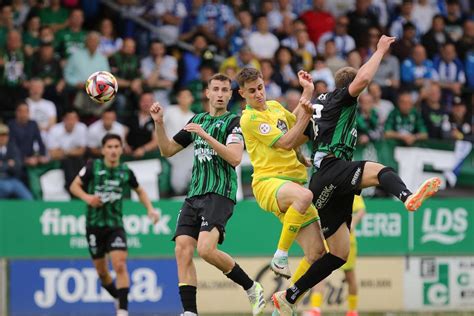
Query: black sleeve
[
  {"x": 85, "y": 174},
  {"x": 234, "y": 127},
  {"x": 309, "y": 130},
  {"x": 184, "y": 138},
  {"x": 132, "y": 180},
  {"x": 342, "y": 97}
]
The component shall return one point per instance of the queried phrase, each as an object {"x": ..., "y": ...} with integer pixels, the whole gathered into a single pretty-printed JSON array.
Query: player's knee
[
  {"x": 305, "y": 197},
  {"x": 120, "y": 267},
  {"x": 103, "y": 275},
  {"x": 205, "y": 251},
  {"x": 183, "y": 252}
]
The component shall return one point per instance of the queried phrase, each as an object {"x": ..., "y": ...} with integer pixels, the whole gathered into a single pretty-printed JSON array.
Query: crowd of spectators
[{"x": 423, "y": 88}]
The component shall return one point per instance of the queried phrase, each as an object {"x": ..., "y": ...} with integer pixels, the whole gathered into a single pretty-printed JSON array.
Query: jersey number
[
  {"x": 92, "y": 240},
  {"x": 317, "y": 109}
]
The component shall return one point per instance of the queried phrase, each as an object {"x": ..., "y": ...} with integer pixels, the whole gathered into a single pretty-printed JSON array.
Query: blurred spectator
[
  {"x": 322, "y": 72},
  {"x": 12, "y": 72},
  {"x": 46, "y": 34},
  {"x": 159, "y": 71},
  {"x": 320, "y": 87},
  {"x": 354, "y": 59},
  {"x": 198, "y": 86},
  {"x": 109, "y": 42},
  {"x": 45, "y": 65},
  {"x": 175, "y": 117},
  {"x": 405, "y": 123},
  {"x": 20, "y": 12},
  {"x": 189, "y": 25},
  {"x": 31, "y": 36},
  {"x": 72, "y": 38},
  {"x": 67, "y": 143},
  {"x": 381, "y": 106},
  {"x": 466, "y": 43},
  {"x": 191, "y": 60},
  {"x": 339, "y": 8},
  {"x": 125, "y": 66},
  {"x": 263, "y": 43},
  {"x": 217, "y": 21},
  {"x": 436, "y": 36},
  {"x": 453, "y": 20},
  {"x": 169, "y": 16},
  {"x": 333, "y": 61},
  {"x": 241, "y": 35},
  {"x": 469, "y": 64},
  {"x": 6, "y": 20},
  {"x": 422, "y": 15},
  {"x": 278, "y": 15},
  {"x": 42, "y": 111},
  {"x": 373, "y": 35},
  {"x": 417, "y": 71},
  {"x": 241, "y": 60},
  {"x": 106, "y": 125},
  {"x": 299, "y": 41},
  {"x": 461, "y": 132},
  {"x": 379, "y": 8},
  {"x": 82, "y": 63},
  {"x": 403, "y": 47},
  {"x": 292, "y": 98},
  {"x": 368, "y": 128},
  {"x": 273, "y": 91},
  {"x": 54, "y": 15},
  {"x": 318, "y": 21},
  {"x": 25, "y": 134},
  {"x": 285, "y": 70},
  {"x": 305, "y": 51},
  {"x": 141, "y": 137},
  {"x": 388, "y": 76},
  {"x": 10, "y": 169},
  {"x": 344, "y": 42},
  {"x": 406, "y": 16},
  {"x": 360, "y": 20},
  {"x": 432, "y": 111},
  {"x": 450, "y": 72}
]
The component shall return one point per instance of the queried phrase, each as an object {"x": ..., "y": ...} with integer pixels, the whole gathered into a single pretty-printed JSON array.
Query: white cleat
[
  {"x": 280, "y": 266},
  {"x": 256, "y": 298}
]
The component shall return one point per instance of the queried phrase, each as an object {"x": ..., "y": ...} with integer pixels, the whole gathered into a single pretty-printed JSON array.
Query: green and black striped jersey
[
  {"x": 110, "y": 184},
  {"x": 211, "y": 173},
  {"x": 334, "y": 125}
]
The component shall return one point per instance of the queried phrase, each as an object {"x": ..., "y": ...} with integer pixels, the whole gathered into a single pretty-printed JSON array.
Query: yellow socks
[
  {"x": 352, "y": 302},
  {"x": 291, "y": 226},
  {"x": 303, "y": 266},
  {"x": 316, "y": 299}
]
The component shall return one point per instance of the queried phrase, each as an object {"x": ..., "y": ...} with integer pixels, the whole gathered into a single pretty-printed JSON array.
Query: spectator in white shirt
[
  {"x": 106, "y": 125},
  {"x": 344, "y": 42},
  {"x": 67, "y": 143},
  {"x": 263, "y": 43},
  {"x": 322, "y": 72},
  {"x": 42, "y": 111},
  {"x": 175, "y": 117},
  {"x": 422, "y": 15}
]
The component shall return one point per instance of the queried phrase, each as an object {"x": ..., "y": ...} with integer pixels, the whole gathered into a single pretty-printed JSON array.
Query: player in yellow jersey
[
  {"x": 358, "y": 211},
  {"x": 271, "y": 135}
]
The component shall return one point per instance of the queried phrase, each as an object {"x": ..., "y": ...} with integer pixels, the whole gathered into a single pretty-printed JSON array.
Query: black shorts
[
  {"x": 203, "y": 213},
  {"x": 334, "y": 186},
  {"x": 102, "y": 240}
]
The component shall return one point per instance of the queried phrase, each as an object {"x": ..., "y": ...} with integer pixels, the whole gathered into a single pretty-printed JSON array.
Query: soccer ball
[{"x": 101, "y": 86}]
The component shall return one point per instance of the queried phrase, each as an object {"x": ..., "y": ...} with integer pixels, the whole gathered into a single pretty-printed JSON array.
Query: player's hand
[
  {"x": 153, "y": 215},
  {"x": 384, "y": 43},
  {"x": 305, "y": 79},
  {"x": 156, "y": 112},
  {"x": 93, "y": 200},
  {"x": 306, "y": 106},
  {"x": 197, "y": 129}
]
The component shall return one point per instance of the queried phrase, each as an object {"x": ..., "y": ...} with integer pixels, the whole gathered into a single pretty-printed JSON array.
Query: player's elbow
[{"x": 235, "y": 161}]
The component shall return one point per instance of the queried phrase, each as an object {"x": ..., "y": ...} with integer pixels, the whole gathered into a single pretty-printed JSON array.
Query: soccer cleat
[
  {"x": 426, "y": 190},
  {"x": 282, "y": 306},
  {"x": 280, "y": 266},
  {"x": 122, "y": 312},
  {"x": 256, "y": 298},
  {"x": 352, "y": 313},
  {"x": 315, "y": 311}
]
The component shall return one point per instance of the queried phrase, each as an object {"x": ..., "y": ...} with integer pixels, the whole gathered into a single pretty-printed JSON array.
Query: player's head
[
  {"x": 344, "y": 77},
  {"x": 252, "y": 87},
  {"x": 219, "y": 91},
  {"x": 112, "y": 147}
]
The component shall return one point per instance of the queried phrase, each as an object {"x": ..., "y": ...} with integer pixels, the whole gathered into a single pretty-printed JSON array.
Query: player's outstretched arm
[
  {"x": 368, "y": 70},
  {"x": 77, "y": 190},
  {"x": 231, "y": 152},
  {"x": 168, "y": 147},
  {"x": 145, "y": 200},
  {"x": 293, "y": 138}
]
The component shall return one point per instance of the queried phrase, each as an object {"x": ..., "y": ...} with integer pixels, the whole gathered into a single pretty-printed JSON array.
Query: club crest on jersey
[
  {"x": 282, "y": 126},
  {"x": 264, "y": 128}
]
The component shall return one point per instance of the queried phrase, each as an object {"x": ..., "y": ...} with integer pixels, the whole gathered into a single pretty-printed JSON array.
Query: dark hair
[
  {"x": 248, "y": 74},
  {"x": 20, "y": 103},
  {"x": 344, "y": 77},
  {"x": 219, "y": 77},
  {"x": 182, "y": 89},
  {"x": 108, "y": 137}
]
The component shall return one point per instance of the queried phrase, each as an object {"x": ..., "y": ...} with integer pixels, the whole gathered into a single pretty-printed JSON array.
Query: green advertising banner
[{"x": 56, "y": 229}]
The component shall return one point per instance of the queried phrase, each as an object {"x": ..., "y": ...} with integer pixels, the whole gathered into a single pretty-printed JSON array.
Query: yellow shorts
[
  {"x": 351, "y": 260},
  {"x": 265, "y": 192}
]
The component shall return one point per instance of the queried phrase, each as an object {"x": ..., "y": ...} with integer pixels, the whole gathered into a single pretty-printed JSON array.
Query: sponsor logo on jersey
[
  {"x": 264, "y": 128},
  {"x": 356, "y": 176},
  {"x": 118, "y": 243},
  {"x": 324, "y": 196}
]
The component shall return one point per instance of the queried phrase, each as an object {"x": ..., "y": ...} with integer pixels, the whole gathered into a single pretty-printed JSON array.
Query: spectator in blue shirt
[{"x": 418, "y": 70}]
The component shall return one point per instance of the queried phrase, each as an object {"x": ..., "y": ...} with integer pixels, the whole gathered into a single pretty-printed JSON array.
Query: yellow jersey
[
  {"x": 358, "y": 204},
  {"x": 261, "y": 130}
]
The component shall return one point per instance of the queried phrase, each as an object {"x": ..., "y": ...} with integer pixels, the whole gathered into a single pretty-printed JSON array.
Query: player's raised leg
[
  {"x": 377, "y": 174},
  {"x": 101, "y": 266}
]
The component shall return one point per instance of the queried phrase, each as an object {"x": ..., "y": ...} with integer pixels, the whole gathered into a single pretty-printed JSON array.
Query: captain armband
[{"x": 234, "y": 139}]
